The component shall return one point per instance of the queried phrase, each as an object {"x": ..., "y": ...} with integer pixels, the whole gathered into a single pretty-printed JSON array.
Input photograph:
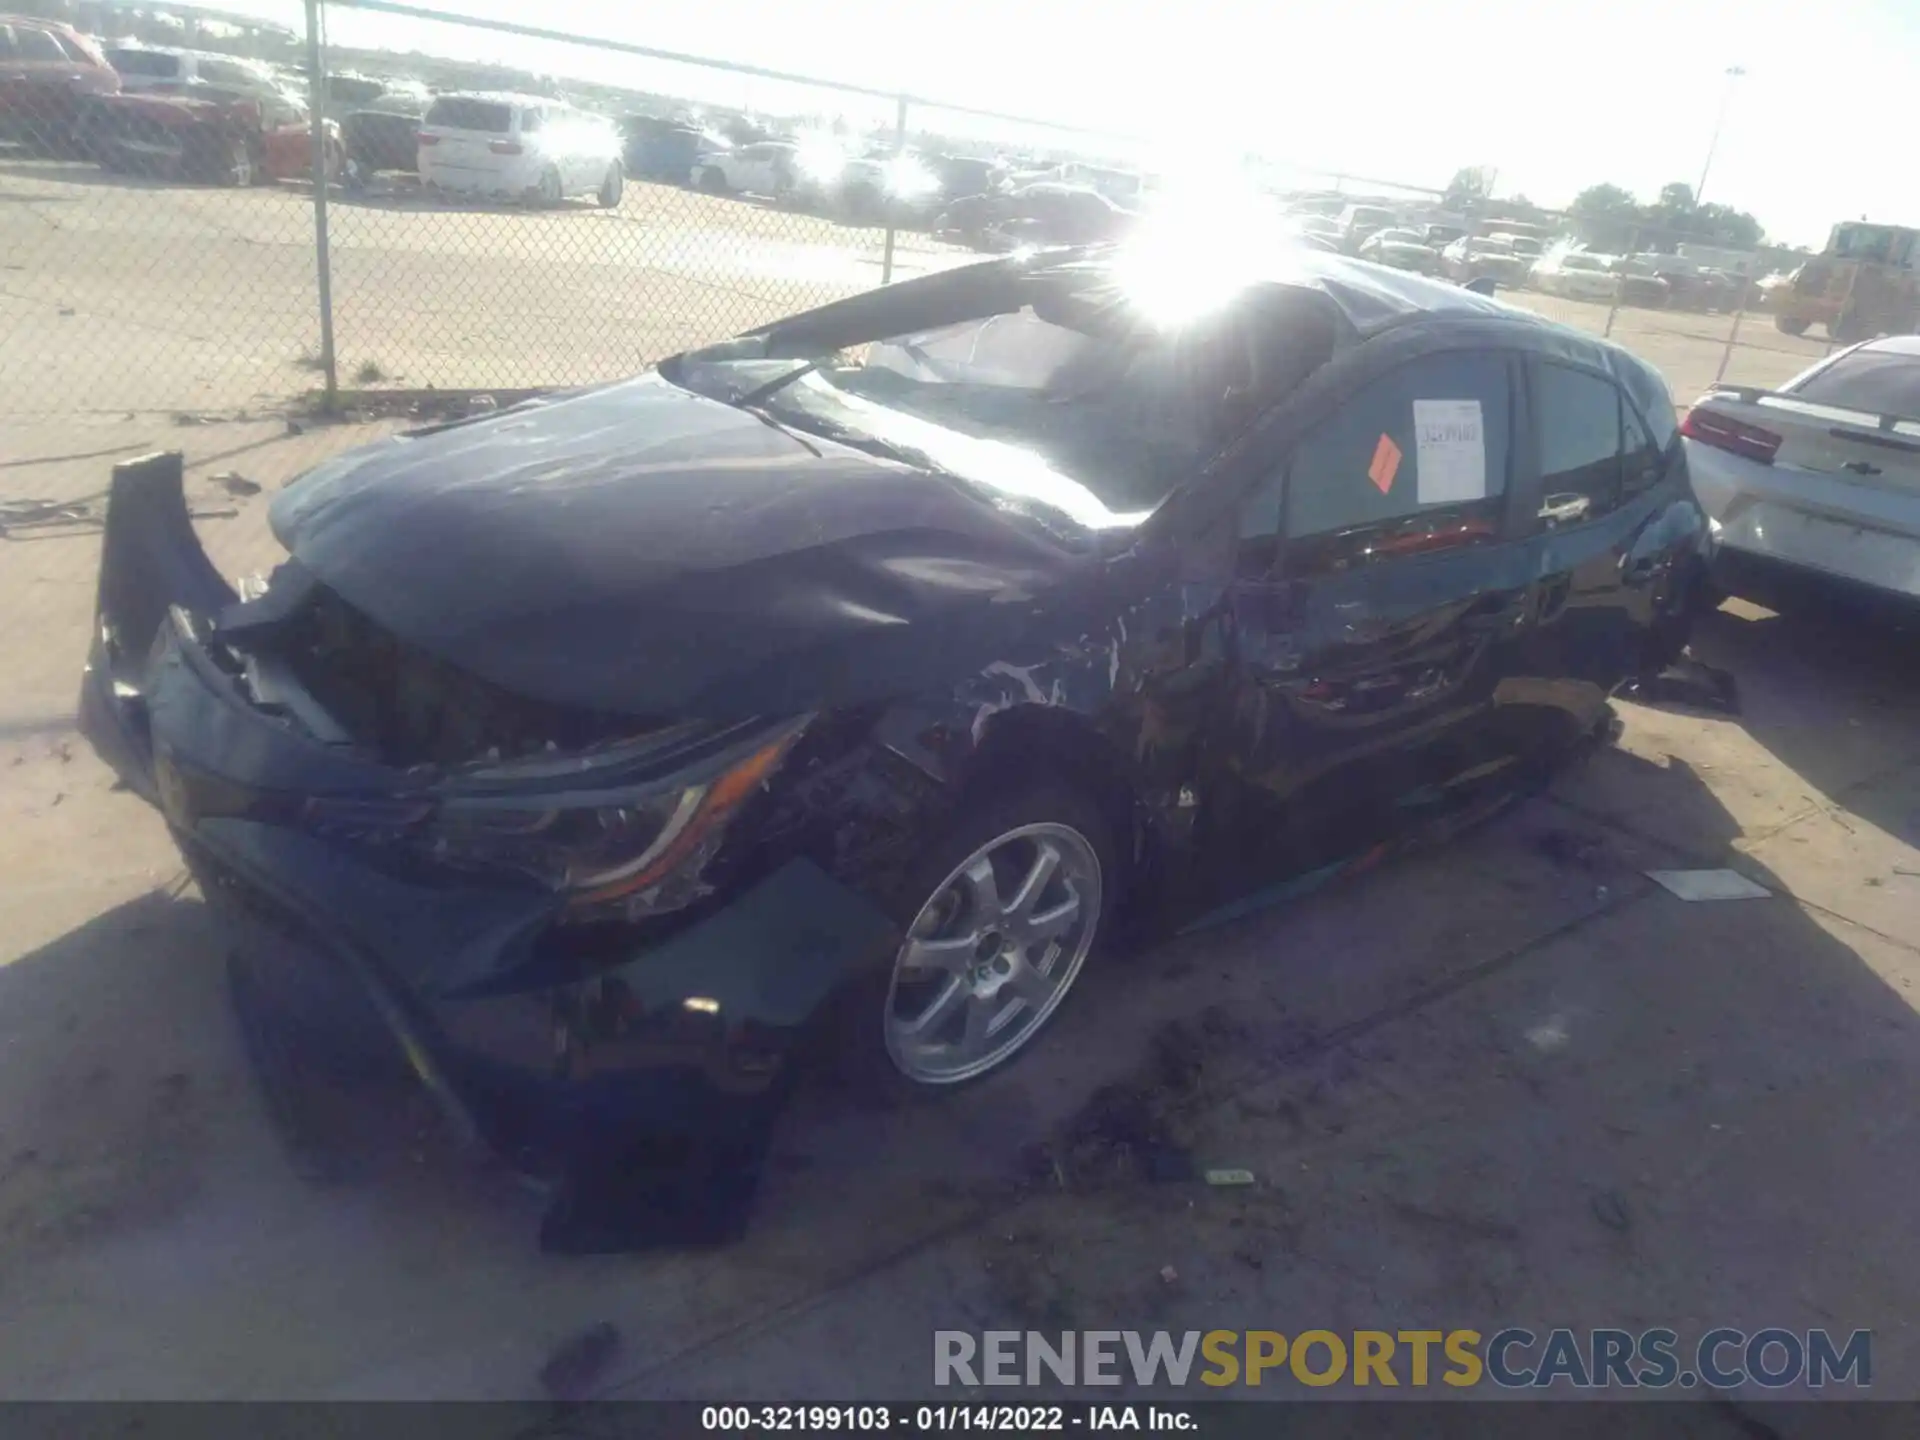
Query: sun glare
[{"x": 1201, "y": 240}]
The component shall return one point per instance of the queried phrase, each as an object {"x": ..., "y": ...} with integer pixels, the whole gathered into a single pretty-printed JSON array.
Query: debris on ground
[
  {"x": 1611, "y": 1211},
  {"x": 1708, "y": 884},
  {"x": 1563, "y": 847},
  {"x": 234, "y": 483},
  {"x": 1690, "y": 683},
  {"x": 42, "y": 519},
  {"x": 1169, "y": 1275},
  {"x": 1229, "y": 1177},
  {"x": 578, "y": 1361}
]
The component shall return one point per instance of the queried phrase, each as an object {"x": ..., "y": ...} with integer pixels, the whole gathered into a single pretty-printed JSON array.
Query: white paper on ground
[
  {"x": 1450, "y": 448},
  {"x": 1709, "y": 884}
]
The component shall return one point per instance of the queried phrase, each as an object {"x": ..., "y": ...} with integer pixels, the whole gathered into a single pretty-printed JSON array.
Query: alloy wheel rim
[{"x": 992, "y": 953}]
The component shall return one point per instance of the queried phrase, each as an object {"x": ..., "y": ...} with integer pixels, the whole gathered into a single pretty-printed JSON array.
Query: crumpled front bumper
[{"x": 553, "y": 1068}]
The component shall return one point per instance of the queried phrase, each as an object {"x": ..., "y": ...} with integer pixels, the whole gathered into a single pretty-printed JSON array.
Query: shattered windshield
[{"x": 1059, "y": 395}]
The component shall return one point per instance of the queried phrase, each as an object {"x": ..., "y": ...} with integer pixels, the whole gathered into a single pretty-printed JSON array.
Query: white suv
[{"x": 518, "y": 147}]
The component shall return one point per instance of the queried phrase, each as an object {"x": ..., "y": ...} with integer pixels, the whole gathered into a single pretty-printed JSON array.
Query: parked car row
[{"x": 152, "y": 110}]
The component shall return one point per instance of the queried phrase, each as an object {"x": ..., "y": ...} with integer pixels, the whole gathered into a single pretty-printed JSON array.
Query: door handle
[{"x": 1507, "y": 609}]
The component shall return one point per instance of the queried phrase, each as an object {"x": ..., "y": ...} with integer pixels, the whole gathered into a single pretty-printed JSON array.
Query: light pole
[{"x": 1733, "y": 73}]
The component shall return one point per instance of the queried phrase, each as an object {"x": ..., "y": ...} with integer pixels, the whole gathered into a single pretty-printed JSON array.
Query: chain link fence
[{"x": 480, "y": 224}]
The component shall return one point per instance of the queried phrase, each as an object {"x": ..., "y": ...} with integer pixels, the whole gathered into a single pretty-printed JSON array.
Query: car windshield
[
  {"x": 1051, "y": 392},
  {"x": 1492, "y": 246},
  {"x": 1398, "y": 237},
  {"x": 1580, "y": 262},
  {"x": 1522, "y": 245}
]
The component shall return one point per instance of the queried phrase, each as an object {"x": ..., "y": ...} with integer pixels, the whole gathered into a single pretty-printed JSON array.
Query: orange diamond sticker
[{"x": 1386, "y": 464}]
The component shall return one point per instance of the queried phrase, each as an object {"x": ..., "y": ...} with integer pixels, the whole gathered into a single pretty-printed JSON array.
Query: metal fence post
[
  {"x": 1620, "y": 281},
  {"x": 1733, "y": 335},
  {"x": 323, "y": 268},
  {"x": 899, "y": 149}
]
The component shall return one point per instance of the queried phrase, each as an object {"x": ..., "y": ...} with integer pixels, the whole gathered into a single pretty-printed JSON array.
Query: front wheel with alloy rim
[
  {"x": 1010, "y": 905},
  {"x": 551, "y": 192}
]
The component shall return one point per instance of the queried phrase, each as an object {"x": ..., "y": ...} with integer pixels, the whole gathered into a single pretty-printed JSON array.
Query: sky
[{"x": 1555, "y": 95}]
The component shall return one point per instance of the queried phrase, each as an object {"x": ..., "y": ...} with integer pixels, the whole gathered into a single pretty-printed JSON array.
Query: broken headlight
[{"x": 620, "y": 852}]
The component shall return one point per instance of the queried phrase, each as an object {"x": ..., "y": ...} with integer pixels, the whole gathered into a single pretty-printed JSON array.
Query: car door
[
  {"x": 1380, "y": 588},
  {"x": 37, "y": 82},
  {"x": 565, "y": 134},
  {"x": 1602, "y": 476}
]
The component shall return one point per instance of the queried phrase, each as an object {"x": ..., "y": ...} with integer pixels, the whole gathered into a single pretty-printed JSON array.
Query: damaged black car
[{"x": 867, "y": 676}]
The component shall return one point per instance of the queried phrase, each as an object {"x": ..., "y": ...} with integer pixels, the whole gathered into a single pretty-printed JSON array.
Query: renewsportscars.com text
[{"x": 1511, "y": 1358}]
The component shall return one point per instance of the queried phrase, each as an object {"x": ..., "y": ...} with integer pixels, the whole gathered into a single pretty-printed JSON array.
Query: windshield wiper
[{"x": 773, "y": 387}]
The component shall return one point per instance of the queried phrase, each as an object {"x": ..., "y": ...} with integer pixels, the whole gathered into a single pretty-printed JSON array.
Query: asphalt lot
[
  {"x": 119, "y": 295},
  {"x": 1511, "y": 1082}
]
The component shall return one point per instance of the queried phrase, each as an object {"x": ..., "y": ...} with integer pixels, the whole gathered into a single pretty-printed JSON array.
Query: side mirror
[{"x": 1483, "y": 285}]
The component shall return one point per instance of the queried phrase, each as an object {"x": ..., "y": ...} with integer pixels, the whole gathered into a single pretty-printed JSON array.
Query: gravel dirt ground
[{"x": 1510, "y": 1082}]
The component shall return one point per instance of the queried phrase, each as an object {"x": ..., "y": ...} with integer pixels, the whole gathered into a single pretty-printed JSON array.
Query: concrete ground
[{"x": 1510, "y": 1082}]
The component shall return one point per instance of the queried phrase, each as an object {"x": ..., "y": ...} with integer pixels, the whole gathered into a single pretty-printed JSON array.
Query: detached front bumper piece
[{"x": 642, "y": 1084}]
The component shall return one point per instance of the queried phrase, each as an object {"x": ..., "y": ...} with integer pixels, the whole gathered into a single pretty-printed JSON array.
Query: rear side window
[
  {"x": 72, "y": 48},
  {"x": 144, "y": 62},
  {"x": 1879, "y": 382},
  {"x": 531, "y": 121},
  {"x": 222, "y": 72},
  {"x": 458, "y": 112},
  {"x": 1648, "y": 392},
  {"x": 1414, "y": 462},
  {"x": 1577, "y": 419},
  {"x": 38, "y": 45}
]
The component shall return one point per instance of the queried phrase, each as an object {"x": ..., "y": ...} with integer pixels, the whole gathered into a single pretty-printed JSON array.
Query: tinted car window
[
  {"x": 144, "y": 62},
  {"x": 221, "y": 72},
  {"x": 1877, "y": 381},
  {"x": 1416, "y": 461},
  {"x": 354, "y": 89},
  {"x": 1577, "y": 420},
  {"x": 1649, "y": 395},
  {"x": 457, "y": 112},
  {"x": 38, "y": 45}
]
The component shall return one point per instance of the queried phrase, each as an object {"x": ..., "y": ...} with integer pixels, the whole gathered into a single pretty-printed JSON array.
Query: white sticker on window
[{"x": 1450, "y": 450}]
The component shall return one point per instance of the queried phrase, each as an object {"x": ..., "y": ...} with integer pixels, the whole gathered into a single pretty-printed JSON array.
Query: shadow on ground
[{"x": 1509, "y": 1082}]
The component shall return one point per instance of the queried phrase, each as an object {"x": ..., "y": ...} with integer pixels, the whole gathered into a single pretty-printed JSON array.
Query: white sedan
[
  {"x": 1821, "y": 476},
  {"x": 1576, "y": 275}
]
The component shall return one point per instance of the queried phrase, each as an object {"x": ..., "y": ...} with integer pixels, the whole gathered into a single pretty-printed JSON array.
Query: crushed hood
[{"x": 642, "y": 549}]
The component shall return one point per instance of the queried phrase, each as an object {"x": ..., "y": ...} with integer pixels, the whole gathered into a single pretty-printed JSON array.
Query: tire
[
  {"x": 935, "y": 1017},
  {"x": 1847, "y": 329},
  {"x": 612, "y": 187},
  {"x": 1788, "y": 325},
  {"x": 551, "y": 192},
  {"x": 713, "y": 181}
]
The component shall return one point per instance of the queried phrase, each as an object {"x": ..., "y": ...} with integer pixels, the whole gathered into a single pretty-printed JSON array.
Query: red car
[
  {"x": 210, "y": 139},
  {"x": 49, "y": 72}
]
